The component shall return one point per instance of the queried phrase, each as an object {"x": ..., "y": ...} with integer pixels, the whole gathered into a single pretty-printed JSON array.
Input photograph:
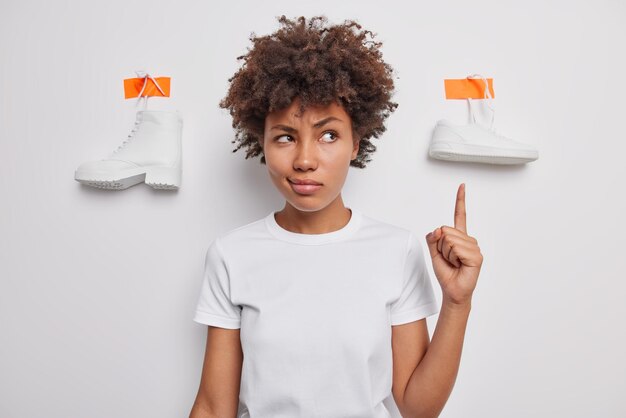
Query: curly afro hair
[{"x": 319, "y": 65}]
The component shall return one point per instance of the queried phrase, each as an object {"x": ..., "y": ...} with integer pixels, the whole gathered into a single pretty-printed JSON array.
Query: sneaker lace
[{"x": 488, "y": 97}]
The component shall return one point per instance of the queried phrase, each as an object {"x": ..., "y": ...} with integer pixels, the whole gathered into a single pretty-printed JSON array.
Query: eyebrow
[{"x": 315, "y": 125}]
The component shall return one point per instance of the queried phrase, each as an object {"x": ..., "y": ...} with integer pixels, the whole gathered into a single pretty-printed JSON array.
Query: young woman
[{"x": 318, "y": 310}]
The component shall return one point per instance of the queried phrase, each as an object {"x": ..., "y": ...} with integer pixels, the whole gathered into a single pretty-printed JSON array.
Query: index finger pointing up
[{"x": 459, "y": 209}]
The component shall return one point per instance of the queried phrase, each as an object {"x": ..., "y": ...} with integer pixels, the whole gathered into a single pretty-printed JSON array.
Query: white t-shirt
[{"x": 315, "y": 312}]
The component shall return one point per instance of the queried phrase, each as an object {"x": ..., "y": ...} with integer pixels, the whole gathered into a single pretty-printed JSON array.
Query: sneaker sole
[
  {"x": 480, "y": 154},
  {"x": 163, "y": 178}
]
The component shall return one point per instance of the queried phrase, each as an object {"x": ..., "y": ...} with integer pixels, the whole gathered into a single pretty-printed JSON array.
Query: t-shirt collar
[{"x": 312, "y": 239}]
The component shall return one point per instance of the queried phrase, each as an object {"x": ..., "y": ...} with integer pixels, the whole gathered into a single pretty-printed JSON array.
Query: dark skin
[{"x": 295, "y": 148}]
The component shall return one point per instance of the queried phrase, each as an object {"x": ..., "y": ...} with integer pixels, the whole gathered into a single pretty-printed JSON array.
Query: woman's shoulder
[
  {"x": 243, "y": 233},
  {"x": 243, "y": 230},
  {"x": 378, "y": 226}
]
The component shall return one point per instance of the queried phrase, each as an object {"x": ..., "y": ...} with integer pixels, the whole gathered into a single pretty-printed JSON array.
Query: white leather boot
[{"x": 151, "y": 153}]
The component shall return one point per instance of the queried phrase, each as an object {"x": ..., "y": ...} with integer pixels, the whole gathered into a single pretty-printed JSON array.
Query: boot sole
[
  {"x": 480, "y": 154},
  {"x": 163, "y": 178}
]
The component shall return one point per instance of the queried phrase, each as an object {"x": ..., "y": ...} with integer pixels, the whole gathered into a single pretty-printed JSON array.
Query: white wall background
[{"x": 97, "y": 288}]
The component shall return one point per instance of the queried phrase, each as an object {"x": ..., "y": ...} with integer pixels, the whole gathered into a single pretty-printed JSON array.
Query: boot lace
[
  {"x": 129, "y": 137},
  {"x": 145, "y": 76}
]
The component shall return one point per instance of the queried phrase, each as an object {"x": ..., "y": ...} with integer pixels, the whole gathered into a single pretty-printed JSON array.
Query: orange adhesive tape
[
  {"x": 467, "y": 88},
  {"x": 132, "y": 87}
]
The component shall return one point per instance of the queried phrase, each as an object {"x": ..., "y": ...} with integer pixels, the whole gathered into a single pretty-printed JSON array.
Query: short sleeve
[
  {"x": 214, "y": 305},
  {"x": 417, "y": 298}
]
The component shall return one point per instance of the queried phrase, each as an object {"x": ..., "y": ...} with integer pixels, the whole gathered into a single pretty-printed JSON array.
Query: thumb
[{"x": 431, "y": 240}]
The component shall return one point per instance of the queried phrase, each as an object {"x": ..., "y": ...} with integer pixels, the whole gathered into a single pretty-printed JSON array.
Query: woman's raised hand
[{"x": 455, "y": 255}]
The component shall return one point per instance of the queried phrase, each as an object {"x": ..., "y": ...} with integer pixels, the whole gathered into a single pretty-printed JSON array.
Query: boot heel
[{"x": 163, "y": 177}]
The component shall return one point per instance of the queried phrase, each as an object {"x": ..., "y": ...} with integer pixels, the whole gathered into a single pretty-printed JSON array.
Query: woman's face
[{"x": 317, "y": 145}]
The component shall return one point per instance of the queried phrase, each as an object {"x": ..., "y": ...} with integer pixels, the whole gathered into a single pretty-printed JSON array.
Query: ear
[{"x": 355, "y": 149}]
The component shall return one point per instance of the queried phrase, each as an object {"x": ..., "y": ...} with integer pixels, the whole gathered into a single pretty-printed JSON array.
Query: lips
[
  {"x": 305, "y": 181},
  {"x": 303, "y": 187}
]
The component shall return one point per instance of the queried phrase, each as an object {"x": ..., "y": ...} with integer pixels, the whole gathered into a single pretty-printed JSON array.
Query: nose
[{"x": 306, "y": 154}]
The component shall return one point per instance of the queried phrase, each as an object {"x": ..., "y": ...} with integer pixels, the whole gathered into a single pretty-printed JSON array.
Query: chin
[{"x": 308, "y": 205}]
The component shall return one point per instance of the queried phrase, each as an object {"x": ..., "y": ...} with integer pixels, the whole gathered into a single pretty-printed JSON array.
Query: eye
[
  {"x": 278, "y": 137},
  {"x": 333, "y": 133}
]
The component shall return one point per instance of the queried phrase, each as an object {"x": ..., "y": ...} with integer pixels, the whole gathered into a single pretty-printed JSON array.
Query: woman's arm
[
  {"x": 218, "y": 395},
  {"x": 432, "y": 380},
  {"x": 457, "y": 261}
]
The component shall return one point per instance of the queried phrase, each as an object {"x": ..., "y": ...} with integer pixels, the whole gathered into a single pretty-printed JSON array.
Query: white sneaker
[
  {"x": 476, "y": 143},
  {"x": 151, "y": 153}
]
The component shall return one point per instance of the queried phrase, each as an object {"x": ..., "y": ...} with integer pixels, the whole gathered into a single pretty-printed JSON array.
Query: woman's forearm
[{"x": 432, "y": 381}]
